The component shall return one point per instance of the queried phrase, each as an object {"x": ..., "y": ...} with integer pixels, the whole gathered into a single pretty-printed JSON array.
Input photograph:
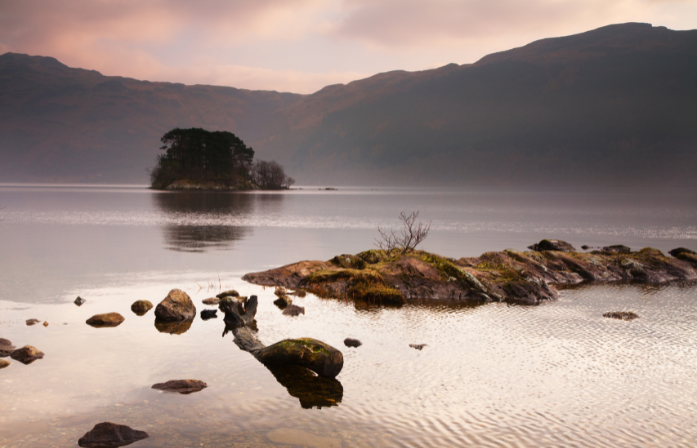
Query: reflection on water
[
  {"x": 312, "y": 390},
  {"x": 177, "y": 327},
  {"x": 186, "y": 209}
]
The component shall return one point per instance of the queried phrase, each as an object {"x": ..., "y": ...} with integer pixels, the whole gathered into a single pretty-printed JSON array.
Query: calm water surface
[{"x": 495, "y": 375}]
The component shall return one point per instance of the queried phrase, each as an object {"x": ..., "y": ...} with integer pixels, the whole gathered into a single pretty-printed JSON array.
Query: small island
[{"x": 197, "y": 159}]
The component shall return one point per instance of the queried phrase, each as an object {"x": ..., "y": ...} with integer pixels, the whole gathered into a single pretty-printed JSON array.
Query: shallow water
[{"x": 493, "y": 375}]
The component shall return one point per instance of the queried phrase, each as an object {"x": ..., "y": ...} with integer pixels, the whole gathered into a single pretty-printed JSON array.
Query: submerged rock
[
  {"x": 553, "y": 245},
  {"x": 230, "y": 292},
  {"x": 141, "y": 307},
  {"x": 294, "y": 310},
  {"x": 177, "y": 306},
  {"x": 6, "y": 348},
  {"x": 417, "y": 346},
  {"x": 31, "y": 322},
  {"x": 109, "y": 434},
  {"x": 181, "y": 386},
  {"x": 348, "y": 342},
  {"x": 79, "y": 301},
  {"x": 209, "y": 314},
  {"x": 621, "y": 315},
  {"x": 291, "y": 436},
  {"x": 4, "y": 363},
  {"x": 106, "y": 320},
  {"x": 211, "y": 301},
  {"x": 27, "y": 354}
]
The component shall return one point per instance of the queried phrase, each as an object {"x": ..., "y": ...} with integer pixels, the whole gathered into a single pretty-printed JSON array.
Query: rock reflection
[
  {"x": 179, "y": 327},
  {"x": 310, "y": 389},
  {"x": 200, "y": 219}
]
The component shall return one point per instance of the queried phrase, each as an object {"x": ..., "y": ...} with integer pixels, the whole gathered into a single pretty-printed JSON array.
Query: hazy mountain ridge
[{"x": 612, "y": 106}]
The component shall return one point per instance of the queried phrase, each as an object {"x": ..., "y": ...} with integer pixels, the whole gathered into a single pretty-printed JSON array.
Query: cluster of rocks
[{"x": 26, "y": 355}]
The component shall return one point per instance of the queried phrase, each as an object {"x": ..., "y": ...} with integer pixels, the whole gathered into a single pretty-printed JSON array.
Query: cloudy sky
[{"x": 300, "y": 45}]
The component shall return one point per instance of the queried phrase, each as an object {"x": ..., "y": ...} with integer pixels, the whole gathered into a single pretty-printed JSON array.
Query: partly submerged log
[
  {"x": 239, "y": 311},
  {"x": 321, "y": 358}
]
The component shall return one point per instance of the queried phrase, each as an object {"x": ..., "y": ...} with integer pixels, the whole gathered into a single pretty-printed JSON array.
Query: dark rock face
[
  {"x": 555, "y": 245},
  {"x": 109, "y": 434},
  {"x": 621, "y": 315},
  {"x": 177, "y": 306},
  {"x": 681, "y": 250},
  {"x": 211, "y": 301},
  {"x": 27, "y": 354},
  {"x": 348, "y": 342},
  {"x": 209, "y": 314},
  {"x": 181, "y": 386},
  {"x": 617, "y": 249},
  {"x": 79, "y": 301},
  {"x": 31, "y": 322},
  {"x": 417, "y": 346},
  {"x": 4, "y": 363},
  {"x": 294, "y": 310},
  {"x": 105, "y": 320},
  {"x": 6, "y": 348},
  {"x": 140, "y": 307},
  {"x": 230, "y": 293},
  {"x": 686, "y": 255}
]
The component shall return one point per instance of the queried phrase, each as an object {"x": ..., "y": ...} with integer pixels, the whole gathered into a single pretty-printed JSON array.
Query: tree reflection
[{"x": 203, "y": 220}]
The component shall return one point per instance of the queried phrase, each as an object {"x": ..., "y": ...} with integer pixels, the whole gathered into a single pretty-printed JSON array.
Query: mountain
[{"x": 616, "y": 106}]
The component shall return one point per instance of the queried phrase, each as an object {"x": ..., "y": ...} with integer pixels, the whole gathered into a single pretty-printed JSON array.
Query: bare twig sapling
[{"x": 411, "y": 235}]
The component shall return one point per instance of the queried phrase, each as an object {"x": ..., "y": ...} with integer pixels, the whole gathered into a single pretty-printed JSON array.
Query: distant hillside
[{"x": 616, "y": 106}]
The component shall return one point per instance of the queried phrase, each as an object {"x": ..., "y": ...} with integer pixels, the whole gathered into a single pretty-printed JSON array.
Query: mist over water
[{"x": 493, "y": 375}]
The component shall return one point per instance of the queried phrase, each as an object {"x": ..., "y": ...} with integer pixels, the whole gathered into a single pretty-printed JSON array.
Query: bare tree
[{"x": 411, "y": 235}]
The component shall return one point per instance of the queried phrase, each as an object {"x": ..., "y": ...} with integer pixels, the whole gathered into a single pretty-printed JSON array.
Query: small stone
[
  {"x": 27, "y": 354},
  {"x": 293, "y": 310},
  {"x": 79, "y": 301},
  {"x": 348, "y": 342},
  {"x": 584, "y": 247},
  {"x": 280, "y": 291},
  {"x": 209, "y": 314},
  {"x": 181, "y": 386},
  {"x": 283, "y": 302},
  {"x": 4, "y": 363},
  {"x": 621, "y": 315},
  {"x": 417, "y": 346},
  {"x": 109, "y": 434},
  {"x": 6, "y": 348},
  {"x": 106, "y": 320},
  {"x": 211, "y": 301},
  {"x": 45, "y": 324},
  {"x": 31, "y": 322},
  {"x": 230, "y": 292},
  {"x": 140, "y": 307}
]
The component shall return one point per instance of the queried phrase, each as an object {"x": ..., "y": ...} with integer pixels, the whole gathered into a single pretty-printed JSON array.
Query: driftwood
[{"x": 312, "y": 354}]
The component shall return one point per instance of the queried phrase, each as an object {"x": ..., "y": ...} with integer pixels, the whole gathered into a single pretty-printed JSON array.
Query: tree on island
[
  {"x": 270, "y": 175},
  {"x": 196, "y": 156}
]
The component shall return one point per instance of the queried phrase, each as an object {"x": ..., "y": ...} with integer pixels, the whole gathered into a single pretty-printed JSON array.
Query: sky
[{"x": 300, "y": 45}]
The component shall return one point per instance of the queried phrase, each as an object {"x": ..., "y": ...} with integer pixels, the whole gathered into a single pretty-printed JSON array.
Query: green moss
[
  {"x": 375, "y": 293},
  {"x": 373, "y": 256},
  {"x": 348, "y": 261},
  {"x": 327, "y": 276}
]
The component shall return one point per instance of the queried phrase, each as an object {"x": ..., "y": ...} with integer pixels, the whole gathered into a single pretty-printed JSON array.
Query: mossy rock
[
  {"x": 347, "y": 261},
  {"x": 373, "y": 256},
  {"x": 315, "y": 355},
  {"x": 375, "y": 293}
]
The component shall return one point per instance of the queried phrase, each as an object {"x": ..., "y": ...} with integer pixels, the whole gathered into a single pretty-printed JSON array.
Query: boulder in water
[
  {"x": 105, "y": 320},
  {"x": 294, "y": 310},
  {"x": 79, "y": 301},
  {"x": 181, "y": 386},
  {"x": 230, "y": 292},
  {"x": 109, "y": 434},
  {"x": 553, "y": 245},
  {"x": 283, "y": 302},
  {"x": 27, "y": 354},
  {"x": 209, "y": 314},
  {"x": 177, "y": 306},
  {"x": 4, "y": 363},
  {"x": 31, "y": 322},
  {"x": 140, "y": 307},
  {"x": 211, "y": 301},
  {"x": 348, "y": 342}
]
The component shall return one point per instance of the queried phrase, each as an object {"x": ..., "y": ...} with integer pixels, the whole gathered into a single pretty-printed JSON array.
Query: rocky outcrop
[
  {"x": 106, "y": 320},
  {"x": 380, "y": 277},
  {"x": 181, "y": 386},
  {"x": 27, "y": 354},
  {"x": 6, "y": 348},
  {"x": 109, "y": 434},
  {"x": 140, "y": 307},
  {"x": 177, "y": 306},
  {"x": 687, "y": 255}
]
